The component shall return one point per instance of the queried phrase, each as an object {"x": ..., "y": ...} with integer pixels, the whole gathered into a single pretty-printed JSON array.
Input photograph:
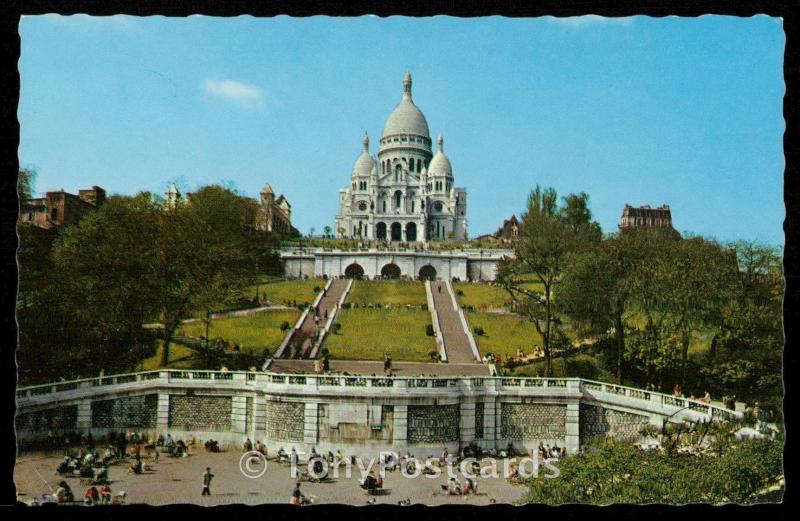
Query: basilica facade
[{"x": 406, "y": 193}]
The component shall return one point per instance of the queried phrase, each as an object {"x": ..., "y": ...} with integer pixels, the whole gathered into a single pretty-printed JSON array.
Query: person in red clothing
[{"x": 92, "y": 496}]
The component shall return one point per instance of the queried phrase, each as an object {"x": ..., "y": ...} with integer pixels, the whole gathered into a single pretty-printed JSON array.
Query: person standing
[{"x": 207, "y": 476}]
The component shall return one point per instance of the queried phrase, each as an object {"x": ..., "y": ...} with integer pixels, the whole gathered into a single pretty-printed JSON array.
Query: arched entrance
[
  {"x": 427, "y": 272},
  {"x": 397, "y": 232},
  {"x": 411, "y": 232},
  {"x": 380, "y": 231},
  {"x": 391, "y": 271},
  {"x": 354, "y": 271}
]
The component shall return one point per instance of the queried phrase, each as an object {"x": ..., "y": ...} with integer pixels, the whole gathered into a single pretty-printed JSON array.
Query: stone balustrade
[{"x": 378, "y": 412}]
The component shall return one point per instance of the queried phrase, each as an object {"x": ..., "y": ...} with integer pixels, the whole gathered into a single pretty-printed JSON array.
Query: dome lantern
[{"x": 407, "y": 86}]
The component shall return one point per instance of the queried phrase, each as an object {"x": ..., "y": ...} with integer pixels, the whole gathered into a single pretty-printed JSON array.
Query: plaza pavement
[
  {"x": 369, "y": 368},
  {"x": 178, "y": 480}
]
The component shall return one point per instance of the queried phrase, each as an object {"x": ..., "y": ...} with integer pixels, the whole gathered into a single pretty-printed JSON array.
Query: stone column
[
  {"x": 84, "y": 420},
  {"x": 239, "y": 414},
  {"x": 466, "y": 429},
  {"x": 400, "y": 426},
  {"x": 572, "y": 439},
  {"x": 259, "y": 417},
  {"x": 491, "y": 419},
  {"x": 310, "y": 424},
  {"x": 162, "y": 413}
]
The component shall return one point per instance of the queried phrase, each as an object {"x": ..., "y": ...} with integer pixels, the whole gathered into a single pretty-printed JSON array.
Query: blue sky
[{"x": 639, "y": 110}]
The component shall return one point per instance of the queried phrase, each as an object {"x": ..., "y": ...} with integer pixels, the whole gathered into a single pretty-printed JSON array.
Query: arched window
[
  {"x": 419, "y": 165},
  {"x": 411, "y": 165},
  {"x": 397, "y": 197},
  {"x": 384, "y": 205}
]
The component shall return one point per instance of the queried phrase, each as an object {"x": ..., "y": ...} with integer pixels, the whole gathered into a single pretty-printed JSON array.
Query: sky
[{"x": 678, "y": 111}]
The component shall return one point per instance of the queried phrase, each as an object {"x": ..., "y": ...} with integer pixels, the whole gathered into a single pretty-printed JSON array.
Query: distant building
[
  {"x": 272, "y": 214},
  {"x": 646, "y": 217},
  {"x": 509, "y": 232},
  {"x": 61, "y": 208}
]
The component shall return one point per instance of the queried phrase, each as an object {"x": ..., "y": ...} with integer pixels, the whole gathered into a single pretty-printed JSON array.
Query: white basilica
[{"x": 407, "y": 193}]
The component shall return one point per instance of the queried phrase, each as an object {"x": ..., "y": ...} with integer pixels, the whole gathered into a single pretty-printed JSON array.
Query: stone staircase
[
  {"x": 458, "y": 343},
  {"x": 311, "y": 329}
]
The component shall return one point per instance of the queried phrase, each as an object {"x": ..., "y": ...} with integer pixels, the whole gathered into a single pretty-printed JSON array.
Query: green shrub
[
  {"x": 433, "y": 355},
  {"x": 459, "y": 293},
  {"x": 285, "y": 326},
  {"x": 317, "y": 289},
  {"x": 478, "y": 330},
  {"x": 429, "y": 330}
]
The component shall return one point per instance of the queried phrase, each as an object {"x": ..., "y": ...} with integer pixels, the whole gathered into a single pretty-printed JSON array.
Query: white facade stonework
[
  {"x": 355, "y": 413},
  {"x": 407, "y": 193}
]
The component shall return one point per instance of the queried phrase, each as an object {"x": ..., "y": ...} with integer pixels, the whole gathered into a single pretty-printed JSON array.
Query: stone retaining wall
[
  {"x": 125, "y": 413},
  {"x": 433, "y": 423},
  {"x": 285, "y": 421},
  {"x": 200, "y": 413},
  {"x": 597, "y": 421},
  {"x": 533, "y": 421}
]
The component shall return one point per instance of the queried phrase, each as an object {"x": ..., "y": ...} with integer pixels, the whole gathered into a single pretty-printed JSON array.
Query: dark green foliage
[{"x": 619, "y": 472}]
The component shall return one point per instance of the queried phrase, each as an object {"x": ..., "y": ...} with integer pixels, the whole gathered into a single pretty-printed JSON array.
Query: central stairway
[
  {"x": 315, "y": 320},
  {"x": 457, "y": 342}
]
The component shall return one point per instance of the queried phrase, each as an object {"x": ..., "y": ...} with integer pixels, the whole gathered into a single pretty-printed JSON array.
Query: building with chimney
[
  {"x": 646, "y": 217},
  {"x": 60, "y": 208}
]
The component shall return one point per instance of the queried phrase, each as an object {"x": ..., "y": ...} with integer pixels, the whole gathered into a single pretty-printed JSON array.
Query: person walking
[{"x": 207, "y": 476}]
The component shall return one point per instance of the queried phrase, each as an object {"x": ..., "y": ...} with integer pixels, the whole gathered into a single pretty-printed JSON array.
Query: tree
[
  {"x": 696, "y": 284},
  {"x": 206, "y": 258},
  {"x": 613, "y": 472},
  {"x": 746, "y": 359},
  {"x": 25, "y": 184},
  {"x": 547, "y": 236},
  {"x": 596, "y": 289},
  {"x": 96, "y": 293},
  {"x": 327, "y": 231}
]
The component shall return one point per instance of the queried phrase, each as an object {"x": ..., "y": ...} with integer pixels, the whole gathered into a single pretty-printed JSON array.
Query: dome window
[
  {"x": 439, "y": 206},
  {"x": 362, "y": 206}
]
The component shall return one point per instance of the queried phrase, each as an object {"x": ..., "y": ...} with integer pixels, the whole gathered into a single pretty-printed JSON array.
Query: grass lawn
[
  {"x": 367, "y": 334},
  {"x": 180, "y": 357},
  {"x": 256, "y": 332},
  {"x": 503, "y": 334},
  {"x": 482, "y": 296},
  {"x": 279, "y": 293},
  {"x": 395, "y": 292}
]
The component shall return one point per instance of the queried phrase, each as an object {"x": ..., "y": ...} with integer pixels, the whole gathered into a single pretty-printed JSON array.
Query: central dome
[{"x": 406, "y": 118}]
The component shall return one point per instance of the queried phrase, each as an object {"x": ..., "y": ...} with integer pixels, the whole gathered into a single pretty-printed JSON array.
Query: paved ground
[
  {"x": 376, "y": 368},
  {"x": 456, "y": 343},
  {"x": 179, "y": 481}
]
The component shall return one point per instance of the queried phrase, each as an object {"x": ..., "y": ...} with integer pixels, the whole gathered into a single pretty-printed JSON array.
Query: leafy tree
[
  {"x": 548, "y": 234},
  {"x": 613, "y": 472},
  {"x": 596, "y": 289},
  {"x": 327, "y": 231},
  {"x": 25, "y": 181},
  {"x": 206, "y": 257}
]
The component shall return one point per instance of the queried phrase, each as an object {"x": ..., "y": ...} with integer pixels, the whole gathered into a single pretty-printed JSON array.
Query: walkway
[
  {"x": 309, "y": 329},
  {"x": 369, "y": 368},
  {"x": 456, "y": 342}
]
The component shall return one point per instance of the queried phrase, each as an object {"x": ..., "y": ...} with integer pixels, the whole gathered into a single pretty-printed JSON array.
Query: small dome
[
  {"x": 365, "y": 163},
  {"x": 440, "y": 165},
  {"x": 406, "y": 117}
]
